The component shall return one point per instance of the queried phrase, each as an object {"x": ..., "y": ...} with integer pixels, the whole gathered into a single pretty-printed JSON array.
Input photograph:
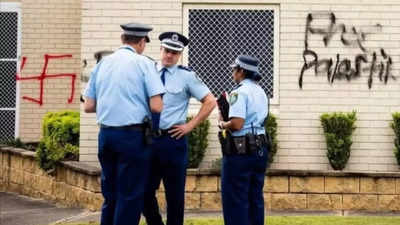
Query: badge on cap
[{"x": 175, "y": 37}]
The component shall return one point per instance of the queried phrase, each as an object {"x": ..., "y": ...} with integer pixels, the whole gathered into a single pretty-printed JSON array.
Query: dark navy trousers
[
  {"x": 125, "y": 164},
  {"x": 168, "y": 163},
  {"x": 242, "y": 188}
]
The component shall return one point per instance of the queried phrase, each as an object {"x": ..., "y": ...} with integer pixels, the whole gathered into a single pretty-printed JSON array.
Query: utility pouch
[
  {"x": 240, "y": 145},
  {"x": 253, "y": 142},
  {"x": 225, "y": 139},
  {"x": 148, "y": 131}
]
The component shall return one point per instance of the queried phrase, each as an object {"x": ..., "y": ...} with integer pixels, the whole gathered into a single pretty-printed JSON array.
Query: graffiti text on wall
[
  {"x": 338, "y": 67},
  {"x": 43, "y": 76}
]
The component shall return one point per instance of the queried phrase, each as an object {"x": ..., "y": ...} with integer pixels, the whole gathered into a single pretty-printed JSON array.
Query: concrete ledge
[
  {"x": 78, "y": 184},
  {"x": 82, "y": 168},
  {"x": 93, "y": 170},
  {"x": 330, "y": 173},
  {"x": 304, "y": 173}
]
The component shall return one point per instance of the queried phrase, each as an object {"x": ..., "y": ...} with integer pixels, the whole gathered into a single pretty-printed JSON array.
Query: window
[
  {"x": 219, "y": 33},
  {"x": 9, "y": 54}
]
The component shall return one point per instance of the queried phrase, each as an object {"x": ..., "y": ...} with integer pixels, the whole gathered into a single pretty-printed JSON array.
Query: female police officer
[{"x": 244, "y": 164}]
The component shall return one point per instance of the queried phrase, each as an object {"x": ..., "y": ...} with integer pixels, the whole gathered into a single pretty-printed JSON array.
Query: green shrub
[
  {"x": 271, "y": 127},
  {"x": 198, "y": 143},
  {"x": 338, "y": 128},
  {"x": 60, "y": 139},
  {"x": 396, "y": 128}
]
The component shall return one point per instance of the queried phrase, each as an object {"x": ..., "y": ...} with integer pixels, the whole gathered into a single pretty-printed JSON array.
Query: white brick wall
[
  {"x": 48, "y": 27},
  {"x": 301, "y": 140}
]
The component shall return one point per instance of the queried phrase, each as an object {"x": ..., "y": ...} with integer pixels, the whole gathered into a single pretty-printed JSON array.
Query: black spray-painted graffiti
[{"x": 342, "y": 67}]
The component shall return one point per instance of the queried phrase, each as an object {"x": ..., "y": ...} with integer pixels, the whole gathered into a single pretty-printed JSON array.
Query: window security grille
[
  {"x": 218, "y": 36},
  {"x": 8, "y": 70}
]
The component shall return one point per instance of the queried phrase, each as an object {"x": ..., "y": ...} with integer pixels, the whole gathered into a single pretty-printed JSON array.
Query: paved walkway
[{"x": 20, "y": 210}]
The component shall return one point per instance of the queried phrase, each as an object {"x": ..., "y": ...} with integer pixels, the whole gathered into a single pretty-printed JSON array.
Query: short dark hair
[
  {"x": 130, "y": 39},
  {"x": 250, "y": 74}
]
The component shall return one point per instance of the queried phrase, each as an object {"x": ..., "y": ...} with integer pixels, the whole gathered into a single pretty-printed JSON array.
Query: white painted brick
[
  {"x": 357, "y": 167},
  {"x": 300, "y": 136},
  {"x": 378, "y": 167}
]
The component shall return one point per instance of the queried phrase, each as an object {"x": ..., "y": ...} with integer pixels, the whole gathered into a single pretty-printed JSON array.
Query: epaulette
[
  {"x": 150, "y": 58},
  {"x": 236, "y": 87},
  {"x": 185, "y": 68}
]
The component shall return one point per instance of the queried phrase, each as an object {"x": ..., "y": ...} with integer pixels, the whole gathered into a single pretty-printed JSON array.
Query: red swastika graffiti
[{"x": 44, "y": 76}]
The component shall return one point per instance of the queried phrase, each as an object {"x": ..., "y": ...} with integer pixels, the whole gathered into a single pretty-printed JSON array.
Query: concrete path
[{"x": 19, "y": 210}]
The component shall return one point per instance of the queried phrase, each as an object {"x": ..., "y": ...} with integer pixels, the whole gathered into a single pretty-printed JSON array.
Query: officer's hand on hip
[{"x": 179, "y": 131}]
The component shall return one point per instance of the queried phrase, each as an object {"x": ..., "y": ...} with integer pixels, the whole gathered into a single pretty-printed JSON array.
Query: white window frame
[
  {"x": 15, "y": 7},
  {"x": 276, "y": 8}
]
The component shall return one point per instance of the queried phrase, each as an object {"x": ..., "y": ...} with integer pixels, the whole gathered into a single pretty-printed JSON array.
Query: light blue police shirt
[
  {"x": 250, "y": 103},
  {"x": 180, "y": 85},
  {"x": 121, "y": 84}
]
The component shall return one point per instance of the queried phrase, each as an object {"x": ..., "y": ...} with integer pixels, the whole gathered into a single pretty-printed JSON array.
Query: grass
[{"x": 298, "y": 220}]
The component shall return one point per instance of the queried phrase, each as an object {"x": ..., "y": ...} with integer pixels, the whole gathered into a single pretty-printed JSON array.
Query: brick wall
[
  {"x": 302, "y": 145},
  {"x": 77, "y": 184},
  {"x": 301, "y": 141},
  {"x": 54, "y": 28},
  {"x": 71, "y": 184}
]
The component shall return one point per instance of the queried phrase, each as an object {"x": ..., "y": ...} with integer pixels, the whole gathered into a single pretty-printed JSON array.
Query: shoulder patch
[
  {"x": 233, "y": 97},
  {"x": 185, "y": 68}
]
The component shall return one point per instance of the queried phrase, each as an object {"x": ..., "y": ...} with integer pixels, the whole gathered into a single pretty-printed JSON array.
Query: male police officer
[
  {"x": 121, "y": 88},
  {"x": 169, "y": 150}
]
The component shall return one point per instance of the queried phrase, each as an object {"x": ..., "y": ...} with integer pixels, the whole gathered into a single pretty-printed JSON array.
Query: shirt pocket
[{"x": 174, "y": 96}]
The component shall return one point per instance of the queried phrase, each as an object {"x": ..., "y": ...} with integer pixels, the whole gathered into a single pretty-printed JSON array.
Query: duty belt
[
  {"x": 137, "y": 127},
  {"x": 161, "y": 132},
  {"x": 241, "y": 145}
]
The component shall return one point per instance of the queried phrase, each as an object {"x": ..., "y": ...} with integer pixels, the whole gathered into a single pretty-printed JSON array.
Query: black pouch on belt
[
  {"x": 253, "y": 142},
  {"x": 240, "y": 145},
  {"x": 225, "y": 139},
  {"x": 148, "y": 131}
]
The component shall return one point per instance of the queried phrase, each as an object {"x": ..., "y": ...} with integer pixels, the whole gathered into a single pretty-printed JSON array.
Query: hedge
[
  {"x": 396, "y": 128},
  {"x": 338, "y": 128},
  {"x": 198, "y": 142},
  {"x": 60, "y": 140}
]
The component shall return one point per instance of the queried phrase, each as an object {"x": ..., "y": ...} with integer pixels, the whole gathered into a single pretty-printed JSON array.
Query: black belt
[
  {"x": 241, "y": 146},
  {"x": 162, "y": 132},
  {"x": 258, "y": 135},
  {"x": 137, "y": 127}
]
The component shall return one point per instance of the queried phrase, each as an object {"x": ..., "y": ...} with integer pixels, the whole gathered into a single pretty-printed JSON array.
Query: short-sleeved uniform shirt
[
  {"x": 249, "y": 102},
  {"x": 180, "y": 85},
  {"x": 122, "y": 84}
]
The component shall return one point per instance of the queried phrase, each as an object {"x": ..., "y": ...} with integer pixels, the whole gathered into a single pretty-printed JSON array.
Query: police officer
[
  {"x": 169, "y": 149},
  {"x": 123, "y": 88},
  {"x": 243, "y": 168}
]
